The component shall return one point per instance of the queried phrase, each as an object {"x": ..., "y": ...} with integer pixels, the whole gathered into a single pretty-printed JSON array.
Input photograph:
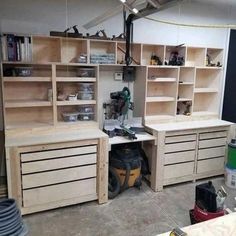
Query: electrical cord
[{"x": 11, "y": 223}]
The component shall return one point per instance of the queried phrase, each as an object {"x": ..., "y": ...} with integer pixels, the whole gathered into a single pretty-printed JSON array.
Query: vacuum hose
[{"x": 11, "y": 223}]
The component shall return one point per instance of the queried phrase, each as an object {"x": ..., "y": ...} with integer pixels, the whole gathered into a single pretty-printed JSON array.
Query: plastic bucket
[{"x": 230, "y": 177}]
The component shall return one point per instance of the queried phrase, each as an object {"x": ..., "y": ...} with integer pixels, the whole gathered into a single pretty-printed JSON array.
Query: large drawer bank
[
  {"x": 52, "y": 169},
  {"x": 187, "y": 151}
]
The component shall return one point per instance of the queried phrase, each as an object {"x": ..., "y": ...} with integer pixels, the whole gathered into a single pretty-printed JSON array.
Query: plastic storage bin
[
  {"x": 86, "y": 72},
  {"x": 70, "y": 117},
  {"x": 84, "y": 95}
]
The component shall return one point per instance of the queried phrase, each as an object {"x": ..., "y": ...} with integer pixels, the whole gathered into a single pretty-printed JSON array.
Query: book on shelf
[{"x": 16, "y": 48}]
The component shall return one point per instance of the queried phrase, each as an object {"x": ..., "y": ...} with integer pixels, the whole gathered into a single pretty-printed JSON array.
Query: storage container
[
  {"x": 86, "y": 72},
  {"x": 84, "y": 95},
  {"x": 23, "y": 71},
  {"x": 87, "y": 87},
  {"x": 85, "y": 116},
  {"x": 86, "y": 109},
  {"x": 232, "y": 154},
  {"x": 70, "y": 117},
  {"x": 230, "y": 177}
]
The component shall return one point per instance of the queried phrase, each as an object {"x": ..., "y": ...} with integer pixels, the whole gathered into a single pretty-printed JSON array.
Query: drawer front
[
  {"x": 44, "y": 195},
  {"x": 42, "y": 155},
  {"x": 210, "y": 135},
  {"x": 209, "y": 165},
  {"x": 53, "y": 164},
  {"x": 180, "y": 138},
  {"x": 178, "y": 170},
  {"x": 178, "y": 147},
  {"x": 211, "y": 153},
  {"x": 178, "y": 157},
  {"x": 58, "y": 176},
  {"x": 212, "y": 143}
]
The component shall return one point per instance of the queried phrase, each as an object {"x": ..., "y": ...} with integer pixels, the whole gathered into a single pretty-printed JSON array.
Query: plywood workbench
[
  {"x": 190, "y": 150},
  {"x": 50, "y": 168},
  {"x": 221, "y": 226}
]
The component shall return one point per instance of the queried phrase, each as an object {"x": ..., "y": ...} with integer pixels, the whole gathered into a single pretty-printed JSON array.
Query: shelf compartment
[
  {"x": 169, "y": 49},
  {"x": 72, "y": 48},
  {"x": 77, "y": 102},
  {"x": 163, "y": 73},
  {"x": 206, "y": 102},
  {"x": 76, "y": 79},
  {"x": 46, "y": 49},
  {"x": 161, "y": 89},
  {"x": 135, "y": 53},
  {"x": 160, "y": 108},
  {"x": 38, "y": 72},
  {"x": 147, "y": 51},
  {"x": 72, "y": 71},
  {"x": 195, "y": 56},
  {"x": 216, "y": 55},
  {"x": 100, "y": 47},
  {"x": 160, "y": 99},
  {"x": 26, "y": 103},
  {"x": 186, "y": 75},
  {"x": 29, "y": 91},
  {"x": 208, "y": 78},
  {"x": 185, "y": 92},
  {"x": 29, "y": 117}
]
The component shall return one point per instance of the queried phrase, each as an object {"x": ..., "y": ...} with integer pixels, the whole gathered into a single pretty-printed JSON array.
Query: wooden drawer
[
  {"x": 180, "y": 138},
  {"x": 212, "y": 143},
  {"x": 209, "y": 165},
  {"x": 178, "y": 170},
  {"x": 178, "y": 147},
  {"x": 54, "y": 193},
  {"x": 58, "y": 176},
  {"x": 179, "y": 157},
  {"x": 53, "y": 164},
  {"x": 216, "y": 134},
  {"x": 211, "y": 152},
  {"x": 42, "y": 155}
]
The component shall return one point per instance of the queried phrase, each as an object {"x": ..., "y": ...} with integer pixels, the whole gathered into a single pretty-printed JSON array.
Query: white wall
[{"x": 39, "y": 17}]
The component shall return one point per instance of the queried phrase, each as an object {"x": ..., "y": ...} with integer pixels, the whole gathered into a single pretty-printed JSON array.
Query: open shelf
[
  {"x": 26, "y": 103},
  {"x": 26, "y": 79},
  {"x": 205, "y": 90},
  {"x": 170, "y": 49},
  {"x": 135, "y": 53},
  {"x": 184, "y": 107},
  {"x": 160, "y": 99},
  {"x": 160, "y": 108},
  {"x": 162, "y": 73},
  {"x": 186, "y": 75},
  {"x": 76, "y": 79},
  {"x": 149, "y": 49},
  {"x": 72, "y": 49},
  {"x": 185, "y": 92},
  {"x": 46, "y": 49},
  {"x": 216, "y": 55},
  {"x": 77, "y": 102},
  {"x": 195, "y": 56},
  {"x": 159, "y": 79},
  {"x": 161, "y": 89},
  {"x": 28, "y": 117}
]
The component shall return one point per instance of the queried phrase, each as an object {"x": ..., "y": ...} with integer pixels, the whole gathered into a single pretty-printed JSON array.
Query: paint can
[{"x": 230, "y": 177}]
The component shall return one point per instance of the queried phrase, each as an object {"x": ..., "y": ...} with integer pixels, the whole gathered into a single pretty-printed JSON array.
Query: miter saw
[{"x": 115, "y": 113}]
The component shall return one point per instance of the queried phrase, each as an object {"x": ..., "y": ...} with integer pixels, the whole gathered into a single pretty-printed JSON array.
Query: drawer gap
[
  {"x": 187, "y": 141},
  {"x": 173, "y": 164},
  {"x": 180, "y": 151},
  {"x": 212, "y": 147}
]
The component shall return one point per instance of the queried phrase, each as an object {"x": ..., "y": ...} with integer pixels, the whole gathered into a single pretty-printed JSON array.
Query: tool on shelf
[
  {"x": 66, "y": 33},
  {"x": 177, "y": 232},
  {"x": 100, "y": 34}
]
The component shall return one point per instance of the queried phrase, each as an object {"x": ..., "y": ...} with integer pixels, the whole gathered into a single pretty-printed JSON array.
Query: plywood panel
[
  {"x": 178, "y": 157},
  {"x": 211, "y": 152},
  {"x": 177, "y": 147},
  {"x": 178, "y": 170},
  {"x": 210, "y": 165},
  {"x": 180, "y": 138},
  {"x": 53, "y": 164},
  {"x": 49, "y": 194},
  {"x": 212, "y": 143},
  {"x": 219, "y": 134},
  {"x": 34, "y": 156},
  {"x": 58, "y": 176}
]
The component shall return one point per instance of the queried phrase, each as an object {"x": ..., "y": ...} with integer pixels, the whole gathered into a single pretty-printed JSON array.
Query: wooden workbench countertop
[
  {"x": 200, "y": 124},
  {"x": 221, "y": 226},
  {"x": 52, "y": 136}
]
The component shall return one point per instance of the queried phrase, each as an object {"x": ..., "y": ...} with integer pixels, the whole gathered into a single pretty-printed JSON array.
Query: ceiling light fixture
[
  {"x": 135, "y": 10},
  {"x": 123, "y": 1}
]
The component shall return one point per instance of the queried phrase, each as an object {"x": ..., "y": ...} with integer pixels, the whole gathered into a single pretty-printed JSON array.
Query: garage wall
[{"x": 39, "y": 17}]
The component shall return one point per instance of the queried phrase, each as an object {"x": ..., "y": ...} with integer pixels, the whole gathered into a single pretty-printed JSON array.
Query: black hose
[{"x": 11, "y": 223}]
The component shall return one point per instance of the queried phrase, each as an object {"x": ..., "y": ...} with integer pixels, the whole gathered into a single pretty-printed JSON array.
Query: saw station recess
[{"x": 117, "y": 118}]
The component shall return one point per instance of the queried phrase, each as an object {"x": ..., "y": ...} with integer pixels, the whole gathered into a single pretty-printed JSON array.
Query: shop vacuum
[
  {"x": 209, "y": 204},
  {"x": 127, "y": 164}
]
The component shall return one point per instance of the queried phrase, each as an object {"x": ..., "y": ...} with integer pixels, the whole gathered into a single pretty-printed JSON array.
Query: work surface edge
[{"x": 175, "y": 126}]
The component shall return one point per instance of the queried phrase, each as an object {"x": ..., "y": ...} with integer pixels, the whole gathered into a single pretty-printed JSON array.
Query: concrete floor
[{"x": 133, "y": 213}]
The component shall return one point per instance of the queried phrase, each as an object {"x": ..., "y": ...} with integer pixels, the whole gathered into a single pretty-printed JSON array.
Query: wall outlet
[{"x": 118, "y": 76}]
